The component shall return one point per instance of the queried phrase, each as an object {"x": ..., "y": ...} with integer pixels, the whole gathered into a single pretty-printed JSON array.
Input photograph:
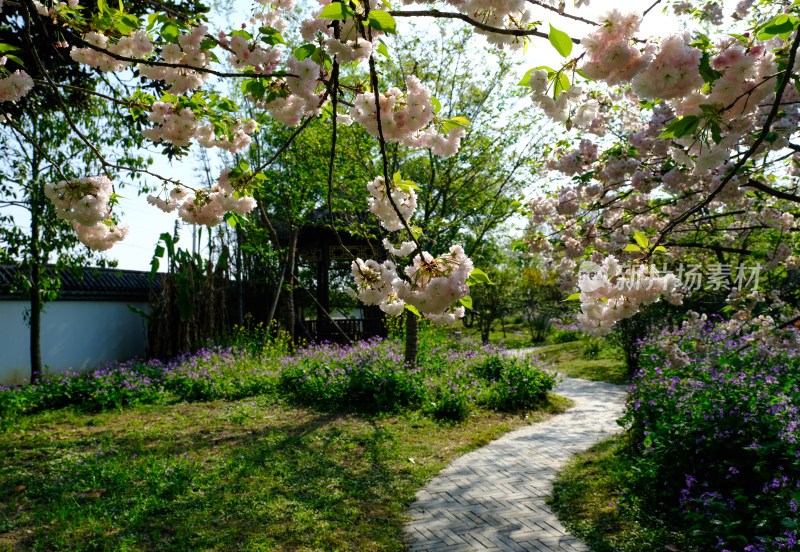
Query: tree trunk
[
  {"x": 36, "y": 285},
  {"x": 289, "y": 314},
  {"x": 412, "y": 338},
  {"x": 485, "y": 329}
]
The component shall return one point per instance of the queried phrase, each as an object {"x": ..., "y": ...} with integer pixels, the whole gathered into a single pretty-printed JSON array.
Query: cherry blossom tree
[{"x": 661, "y": 133}]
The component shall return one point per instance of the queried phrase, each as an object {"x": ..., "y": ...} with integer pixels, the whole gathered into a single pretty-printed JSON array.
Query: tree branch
[
  {"x": 749, "y": 153},
  {"x": 474, "y": 22},
  {"x": 772, "y": 191}
]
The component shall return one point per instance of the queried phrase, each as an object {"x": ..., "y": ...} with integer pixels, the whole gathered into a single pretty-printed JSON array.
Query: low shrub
[
  {"x": 566, "y": 335},
  {"x": 715, "y": 424},
  {"x": 521, "y": 386},
  {"x": 368, "y": 376},
  {"x": 592, "y": 347}
]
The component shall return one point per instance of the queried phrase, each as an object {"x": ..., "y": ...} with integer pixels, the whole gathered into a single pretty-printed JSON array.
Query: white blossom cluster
[
  {"x": 179, "y": 127},
  {"x": 406, "y": 248},
  {"x": 303, "y": 101},
  {"x": 609, "y": 294},
  {"x": 432, "y": 285},
  {"x": 374, "y": 285},
  {"x": 85, "y": 202},
  {"x": 137, "y": 45},
  {"x": 187, "y": 53},
  {"x": 15, "y": 86},
  {"x": 263, "y": 60},
  {"x": 404, "y": 118},
  {"x": 207, "y": 209},
  {"x": 381, "y": 206},
  {"x": 507, "y": 14},
  {"x": 435, "y": 283}
]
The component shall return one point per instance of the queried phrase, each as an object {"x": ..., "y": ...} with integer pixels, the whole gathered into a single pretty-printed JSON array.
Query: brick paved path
[{"x": 493, "y": 499}]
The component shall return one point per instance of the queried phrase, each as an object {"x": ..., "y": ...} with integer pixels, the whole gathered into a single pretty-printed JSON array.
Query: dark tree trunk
[
  {"x": 289, "y": 314},
  {"x": 412, "y": 338},
  {"x": 36, "y": 293},
  {"x": 485, "y": 329}
]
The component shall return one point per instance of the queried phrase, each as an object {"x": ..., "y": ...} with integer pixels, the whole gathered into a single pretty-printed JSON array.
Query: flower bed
[
  {"x": 366, "y": 377},
  {"x": 715, "y": 431}
]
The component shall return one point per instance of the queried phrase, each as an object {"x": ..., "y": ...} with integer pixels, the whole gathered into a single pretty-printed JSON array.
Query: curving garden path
[{"x": 493, "y": 499}]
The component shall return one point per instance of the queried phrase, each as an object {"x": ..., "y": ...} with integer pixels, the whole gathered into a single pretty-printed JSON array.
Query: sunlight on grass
[
  {"x": 586, "y": 496},
  {"x": 251, "y": 474},
  {"x": 568, "y": 359}
]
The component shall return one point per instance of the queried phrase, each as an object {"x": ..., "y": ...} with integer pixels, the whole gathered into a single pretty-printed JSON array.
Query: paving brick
[{"x": 494, "y": 499}]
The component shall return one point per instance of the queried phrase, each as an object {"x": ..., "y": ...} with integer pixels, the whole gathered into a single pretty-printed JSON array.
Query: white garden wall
[{"x": 75, "y": 334}]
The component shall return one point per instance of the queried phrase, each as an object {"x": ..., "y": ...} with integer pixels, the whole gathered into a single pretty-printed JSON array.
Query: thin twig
[
  {"x": 657, "y": 2},
  {"x": 386, "y": 181},
  {"x": 563, "y": 14},
  {"x": 334, "y": 89}
]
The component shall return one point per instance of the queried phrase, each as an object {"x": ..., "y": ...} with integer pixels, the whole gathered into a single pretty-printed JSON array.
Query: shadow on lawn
[{"x": 329, "y": 482}]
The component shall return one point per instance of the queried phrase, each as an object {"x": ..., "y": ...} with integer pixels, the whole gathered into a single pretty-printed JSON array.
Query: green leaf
[
  {"x": 7, "y": 48},
  {"x": 466, "y": 301},
  {"x": 681, "y": 126},
  {"x": 387, "y": 4},
  {"x": 382, "y": 21},
  {"x": 560, "y": 41},
  {"x": 271, "y": 36},
  {"x": 527, "y": 78},
  {"x": 128, "y": 23},
  {"x": 139, "y": 311},
  {"x": 574, "y": 297},
  {"x": 648, "y": 442},
  {"x": 15, "y": 59},
  {"x": 304, "y": 51},
  {"x": 170, "y": 31},
  {"x": 383, "y": 50},
  {"x": 660, "y": 249},
  {"x": 437, "y": 106},
  {"x": 640, "y": 238},
  {"x": 335, "y": 10},
  {"x": 478, "y": 276},
  {"x": 632, "y": 247},
  {"x": 232, "y": 219},
  {"x": 460, "y": 121},
  {"x": 716, "y": 133},
  {"x": 102, "y": 7},
  {"x": 413, "y": 309},
  {"x": 562, "y": 84},
  {"x": 159, "y": 251},
  {"x": 708, "y": 73},
  {"x": 781, "y": 25},
  {"x": 153, "y": 268}
]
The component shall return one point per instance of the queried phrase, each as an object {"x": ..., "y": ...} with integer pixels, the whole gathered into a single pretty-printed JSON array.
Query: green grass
[
  {"x": 250, "y": 475},
  {"x": 586, "y": 497},
  {"x": 516, "y": 336},
  {"x": 569, "y": 360}
]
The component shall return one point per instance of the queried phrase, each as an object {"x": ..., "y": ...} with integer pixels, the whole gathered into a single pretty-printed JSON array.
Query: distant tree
[{"x": 41, "y": 148}]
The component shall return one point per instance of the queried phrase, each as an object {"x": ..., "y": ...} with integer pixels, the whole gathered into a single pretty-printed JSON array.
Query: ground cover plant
[
  {"x": 714, "y": 425},
  {"x": 368, "y": 376}
]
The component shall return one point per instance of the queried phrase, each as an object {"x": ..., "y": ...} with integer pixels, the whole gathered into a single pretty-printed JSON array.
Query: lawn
[
  {"x": 227, "y": 449},
  {"x": 253, "y": 474},
  {"x": 586, "y": 496},
  {"x": 568, "y": 359}
]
